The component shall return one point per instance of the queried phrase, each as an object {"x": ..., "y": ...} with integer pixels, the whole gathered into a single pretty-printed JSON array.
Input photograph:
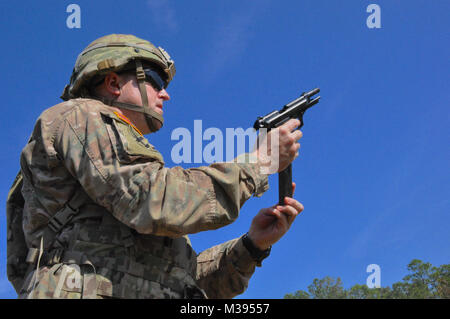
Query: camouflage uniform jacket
[{"x": 83, "y": 144}]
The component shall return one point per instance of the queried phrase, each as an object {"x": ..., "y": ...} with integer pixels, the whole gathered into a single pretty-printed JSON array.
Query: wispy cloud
[
  {"x": 371, "y": 232},
  {"x": 163, "y": 14},
  {"x": 231, "y": 36}
]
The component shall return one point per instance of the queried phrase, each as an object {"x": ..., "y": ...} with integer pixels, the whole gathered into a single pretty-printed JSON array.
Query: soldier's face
[{"x": 129, "y": 93}]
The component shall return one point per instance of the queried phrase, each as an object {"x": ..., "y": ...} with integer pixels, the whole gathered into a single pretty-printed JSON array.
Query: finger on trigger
[{"x": 292, "y": 124}]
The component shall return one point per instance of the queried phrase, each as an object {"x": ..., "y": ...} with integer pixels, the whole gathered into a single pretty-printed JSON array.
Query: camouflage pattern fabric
[
  {"x": 223, "y": 271},
  {"x": 139, "y": 247}
]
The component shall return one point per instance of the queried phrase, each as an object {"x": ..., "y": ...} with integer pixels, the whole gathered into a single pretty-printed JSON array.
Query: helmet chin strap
[{"x": 150, "y": 115}]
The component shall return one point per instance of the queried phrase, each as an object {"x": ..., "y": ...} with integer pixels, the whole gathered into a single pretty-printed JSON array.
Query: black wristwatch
[{"x": 257, "y": 254}]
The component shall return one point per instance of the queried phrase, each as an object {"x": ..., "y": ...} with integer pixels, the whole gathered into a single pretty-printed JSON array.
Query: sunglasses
[{"x": 155, "y": 79}]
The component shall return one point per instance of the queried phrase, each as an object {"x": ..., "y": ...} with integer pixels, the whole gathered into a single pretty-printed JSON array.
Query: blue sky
[{"x": 373, "y": 170}]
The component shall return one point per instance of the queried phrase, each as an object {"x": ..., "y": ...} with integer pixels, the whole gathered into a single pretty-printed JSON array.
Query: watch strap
[{"x": 257, "y": 254}]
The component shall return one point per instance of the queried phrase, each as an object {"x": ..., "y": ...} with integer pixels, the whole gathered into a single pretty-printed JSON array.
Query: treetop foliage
[{"x": 423, "y": 282}]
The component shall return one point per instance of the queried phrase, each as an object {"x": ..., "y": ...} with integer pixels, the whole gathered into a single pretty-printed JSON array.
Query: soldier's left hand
[{"x": 271, "y": 223}]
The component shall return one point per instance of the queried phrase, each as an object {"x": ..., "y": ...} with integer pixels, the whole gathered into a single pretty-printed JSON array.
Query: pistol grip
[{"x": 300, "y": 118}]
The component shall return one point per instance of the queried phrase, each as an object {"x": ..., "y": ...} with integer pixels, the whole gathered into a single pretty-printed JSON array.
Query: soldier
[{"x": 104, "y": 218}]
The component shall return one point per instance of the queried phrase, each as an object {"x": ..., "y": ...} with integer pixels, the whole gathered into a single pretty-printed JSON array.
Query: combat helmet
[{"x": 115, "y": 53}]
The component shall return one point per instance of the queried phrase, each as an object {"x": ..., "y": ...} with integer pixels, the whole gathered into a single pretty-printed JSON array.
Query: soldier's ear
[{"x": 112, "y": 83}]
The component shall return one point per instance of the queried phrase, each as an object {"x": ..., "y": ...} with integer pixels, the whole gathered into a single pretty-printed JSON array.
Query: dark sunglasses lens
[{"x": 155, "y": 79}]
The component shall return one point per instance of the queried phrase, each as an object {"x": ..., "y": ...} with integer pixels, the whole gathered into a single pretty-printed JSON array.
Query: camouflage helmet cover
[{"x": 112, "y": 53}]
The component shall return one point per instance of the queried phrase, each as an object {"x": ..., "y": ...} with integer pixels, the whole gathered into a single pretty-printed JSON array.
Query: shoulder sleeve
[
  {"x": 223, "y": 271},
  {"x": 121, "y": 171}
]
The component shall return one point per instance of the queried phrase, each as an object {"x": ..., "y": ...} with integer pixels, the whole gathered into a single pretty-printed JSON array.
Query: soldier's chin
[{"x": 156, "y": 125}]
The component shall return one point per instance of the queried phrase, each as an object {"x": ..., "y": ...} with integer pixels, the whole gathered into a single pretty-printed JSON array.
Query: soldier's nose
[{"x": 164, "y": 95}]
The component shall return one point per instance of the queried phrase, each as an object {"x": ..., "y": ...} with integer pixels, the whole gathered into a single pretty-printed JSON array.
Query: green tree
[
  {"x": 419, "y": 284},
  {"x": 441, "y": 281},
  {"x": 327, "y": 288},
  {"x": 299, "y": 294},
  {"x": 423, "y": 282},
  {"x": 364, "y": 292}
]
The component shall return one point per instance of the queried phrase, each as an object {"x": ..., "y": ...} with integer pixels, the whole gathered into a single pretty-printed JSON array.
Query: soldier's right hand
[{"x": 275, "y": 155}]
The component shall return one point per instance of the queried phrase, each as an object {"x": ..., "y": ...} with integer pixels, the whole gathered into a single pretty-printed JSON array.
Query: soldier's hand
[
  {"x": 270, "y": 224},
  {"x": 286, "y": 150}
]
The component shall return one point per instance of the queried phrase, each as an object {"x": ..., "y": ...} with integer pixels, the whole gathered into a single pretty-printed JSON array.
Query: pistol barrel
[
  {"x": 293, "y": 109},
  {"x": 313, "y": 102},
  {"x": 313, "y": 92}
]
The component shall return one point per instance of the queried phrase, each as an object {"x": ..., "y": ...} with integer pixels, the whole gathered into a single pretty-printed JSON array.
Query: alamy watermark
[
  {"x": 72, "y": 279},
  {"x": 73, "y": 21},
  {"x": 222, "y": 147},
  {"x": 374, "y": 279},
  {"x": 374, "y": 19}
]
